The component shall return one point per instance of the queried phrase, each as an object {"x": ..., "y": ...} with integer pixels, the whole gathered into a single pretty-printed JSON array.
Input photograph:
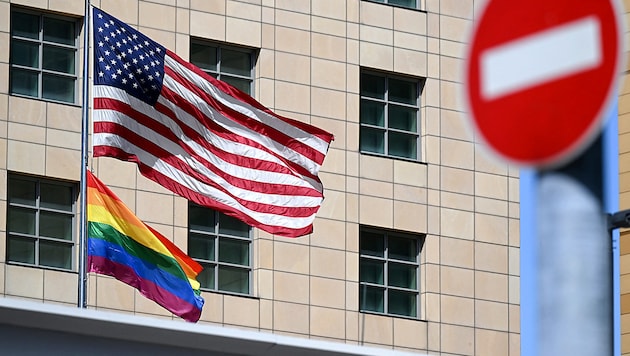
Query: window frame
[
  {"x": 41, "y": 43},
  {"x": 215, "y": 236},
  {"x": 37, "y": 208},
  {"x": 386, "y": 260},
  {"x": 219, "y": 73},
  {"x": 387, "y": 76}
]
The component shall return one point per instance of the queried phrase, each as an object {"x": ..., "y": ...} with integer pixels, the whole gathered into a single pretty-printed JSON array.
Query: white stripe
[
  {"x": 248, "y": 110},
  {"x": 540, "y": 58},
  {"x": 234, "y": 148},
  {"x": 204, "y": 189},
  {"x": 234, "y": 127},
  {"x": 178, "y": 153}
]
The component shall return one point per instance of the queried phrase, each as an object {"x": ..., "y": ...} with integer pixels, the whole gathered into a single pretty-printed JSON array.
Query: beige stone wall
[{"x": 311, "y": 52}]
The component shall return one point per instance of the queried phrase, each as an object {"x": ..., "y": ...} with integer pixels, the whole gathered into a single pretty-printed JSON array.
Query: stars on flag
[{"x": 127, "y": 59}]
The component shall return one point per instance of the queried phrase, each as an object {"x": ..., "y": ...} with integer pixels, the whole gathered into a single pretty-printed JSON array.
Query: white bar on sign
[{"x": 540, "y": 58}]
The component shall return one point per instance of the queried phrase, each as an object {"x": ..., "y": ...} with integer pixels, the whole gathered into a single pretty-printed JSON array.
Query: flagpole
[{"x": 82, "y": 298}]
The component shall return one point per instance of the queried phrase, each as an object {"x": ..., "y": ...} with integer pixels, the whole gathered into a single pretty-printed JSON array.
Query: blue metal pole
[
  {"x": 611, "y": 205},
  {"x": 528, "y": 264}
]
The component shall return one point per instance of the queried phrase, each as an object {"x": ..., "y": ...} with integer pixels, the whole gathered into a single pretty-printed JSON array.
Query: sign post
[{"x": 538, "y": 79}]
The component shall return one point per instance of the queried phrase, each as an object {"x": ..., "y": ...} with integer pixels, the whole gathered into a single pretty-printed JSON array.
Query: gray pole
[
  {"x": 575, "y": 302},
  {"x": 82, "y": 298}
]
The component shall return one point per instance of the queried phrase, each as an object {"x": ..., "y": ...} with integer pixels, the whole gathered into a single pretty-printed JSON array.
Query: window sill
[
  {"x": 232, "y": 294},
  {"x": 45, "y": 100},
  {"x": 393, "y": 315},
  {"x": 398, "y": 6},
  {"x": 20, "y": 264},
  {"x": 367, "y": 153}
]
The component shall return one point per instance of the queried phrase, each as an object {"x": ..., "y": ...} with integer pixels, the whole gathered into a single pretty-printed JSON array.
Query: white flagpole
[{"x": 82, "y": 298}]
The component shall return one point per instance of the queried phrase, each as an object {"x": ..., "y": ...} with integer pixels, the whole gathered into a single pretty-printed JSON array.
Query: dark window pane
[
  {"x": 24, "y": 82},
  {"x": 21, "y": 250},
  {"x": 200, "y": 218},
  {"x": 22, "y": 192},
  {"x": 54, "y": 196},
  {"x": 232, "y": 226},
  {"x": 25, "y": 54},
  {"x": 201, "y": 246},
  {"x": 58, "y": 88},
  {"x": 234, "y": 251},
  {"x": 55, "y": 254},
  {"x": 405, "y": 3},
  {"x": 236, "y": 62},
  {"x": 401, "y": 275},
  {"x": 403, "y": 145},
  {"x": 371, "y": 271},
  {"x": 25, "y": 25},
  {"x": 372, "y": 140},
  {"x": 233, "y": 279},
  {"x": 403, "y": 118},
  {"x": 58, "y": 59},
  {"x": 55, "y": 225},
  {"x": 402, "y": 303},
  {"x": 21, "y": 220},
  {"x": 372, "y": 298},
  {"x": 372, "y": 244},
  {"x": 206, "y": 277},
  {"x": 372, "y": 113},
  {"x": 244, "y": 85},
  {"x": 204, "y": 57},
  {"x": 403, "y": 91},
  {"x": 372, "y": 86},
  {"x": 59, "y": 31},
  {"x": 401, "y": 248}
]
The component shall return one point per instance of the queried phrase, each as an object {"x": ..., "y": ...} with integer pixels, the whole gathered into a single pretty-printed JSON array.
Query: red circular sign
[{"x": 540, "y": 74}]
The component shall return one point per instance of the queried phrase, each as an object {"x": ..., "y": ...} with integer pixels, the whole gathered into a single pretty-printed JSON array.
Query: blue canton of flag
[{"x": 127, "y": 59}]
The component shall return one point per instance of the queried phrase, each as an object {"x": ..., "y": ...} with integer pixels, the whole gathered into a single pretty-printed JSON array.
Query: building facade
[{"x": 416, "y": 246}]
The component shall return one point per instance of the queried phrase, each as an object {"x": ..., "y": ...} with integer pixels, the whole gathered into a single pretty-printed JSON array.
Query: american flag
[{"x": 200, "y": 137}]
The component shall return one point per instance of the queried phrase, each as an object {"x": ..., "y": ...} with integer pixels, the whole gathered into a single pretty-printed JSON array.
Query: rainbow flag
[{"x": 122, "y": 246}]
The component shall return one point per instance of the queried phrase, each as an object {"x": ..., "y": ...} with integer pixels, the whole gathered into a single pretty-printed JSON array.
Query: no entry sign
[{"x": 539, "y": 75}]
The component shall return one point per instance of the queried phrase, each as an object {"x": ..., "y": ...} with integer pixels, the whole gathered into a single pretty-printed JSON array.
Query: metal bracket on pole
[{"x": 620, "y": 219}]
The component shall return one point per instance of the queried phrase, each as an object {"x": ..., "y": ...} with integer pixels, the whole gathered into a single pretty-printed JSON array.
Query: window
[
  {"x": 43, "y": 56},
  {"x": 222, "y": 245},
  {"x": 40, "y": 222},
  {"x": 404, "y": 3},
  {"x": 229, "y": 64},
  {"x": 390, "y": 115},
  {"x": 388, "y": 272}
]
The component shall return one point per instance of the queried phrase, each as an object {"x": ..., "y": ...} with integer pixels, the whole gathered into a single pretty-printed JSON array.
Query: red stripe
[
  {"x": 289, "y": 167},
  {"x": 200, "y": 199},
  {"x": 251, "y": 185},
  {"x": 148, "y": 288},
  {"x": 230, "y": 90},
  {"x": 148, "y": 146},
  {"x": 243, "y": 161},
  {"x": 254, "y": 125}
]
